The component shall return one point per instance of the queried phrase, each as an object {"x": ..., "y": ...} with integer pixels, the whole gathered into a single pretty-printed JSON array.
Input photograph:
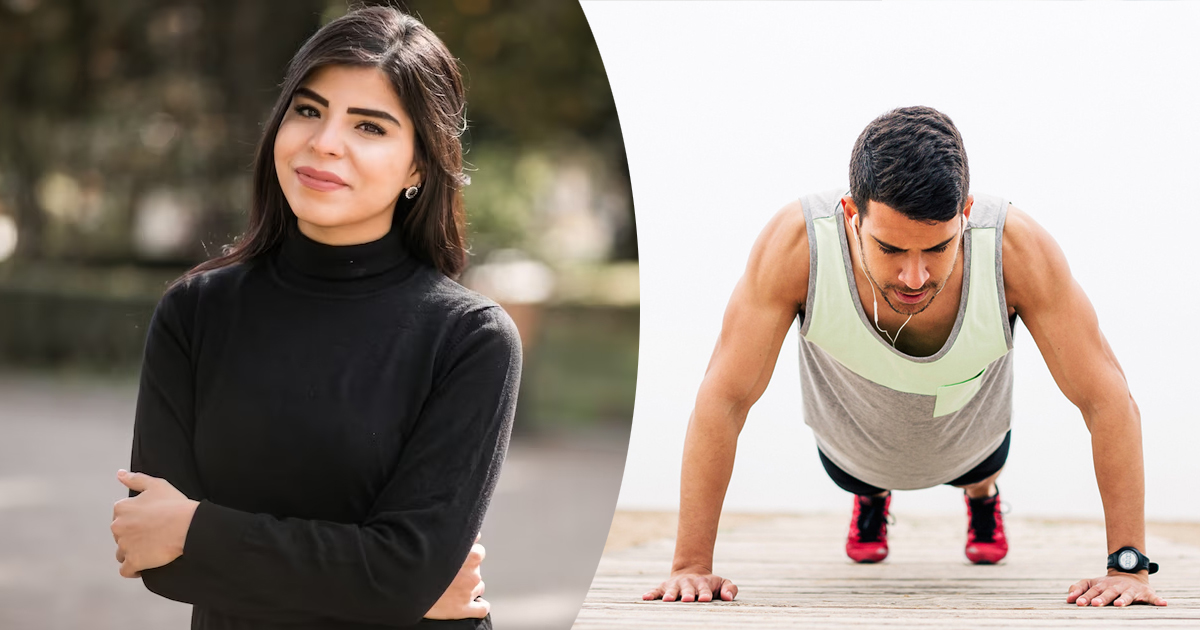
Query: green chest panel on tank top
[{"x": 955, "y": 373}]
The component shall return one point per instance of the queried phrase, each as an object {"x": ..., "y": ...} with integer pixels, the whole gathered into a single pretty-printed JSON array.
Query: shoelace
[
  {"x": 983, "y": 518},
  {"x": 871, "y": 518}
]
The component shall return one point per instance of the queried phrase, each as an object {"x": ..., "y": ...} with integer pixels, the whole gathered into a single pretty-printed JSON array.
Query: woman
[{"x": 323, "y": 412}]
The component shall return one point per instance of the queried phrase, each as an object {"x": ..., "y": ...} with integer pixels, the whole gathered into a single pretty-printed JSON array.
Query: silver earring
[{"x": 411, "y": 192}]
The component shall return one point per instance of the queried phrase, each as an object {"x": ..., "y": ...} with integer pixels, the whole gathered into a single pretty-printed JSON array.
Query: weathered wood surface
[{"x": 792, "y": 573}]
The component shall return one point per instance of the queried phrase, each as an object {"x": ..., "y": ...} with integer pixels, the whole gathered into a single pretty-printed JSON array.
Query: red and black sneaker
[
  {"x": 867, "y": 541},
  {"x": 986, "y": 543}
]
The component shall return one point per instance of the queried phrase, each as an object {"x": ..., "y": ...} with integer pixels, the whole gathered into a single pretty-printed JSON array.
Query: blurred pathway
[
  {"x": 792, "y": 573},
  {"x": 63, "y": 439}
]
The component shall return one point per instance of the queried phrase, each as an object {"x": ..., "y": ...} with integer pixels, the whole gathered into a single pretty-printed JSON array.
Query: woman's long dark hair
[{"x": 427, "y": 80}]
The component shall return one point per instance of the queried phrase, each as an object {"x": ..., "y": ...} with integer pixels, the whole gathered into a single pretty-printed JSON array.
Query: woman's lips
[
  {"x": 323, "y": 181},
  {"x": 911, "y": 298}
]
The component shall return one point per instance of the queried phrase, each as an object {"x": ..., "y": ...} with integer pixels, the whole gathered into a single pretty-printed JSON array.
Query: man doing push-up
[{"x": 907, "y": 288}]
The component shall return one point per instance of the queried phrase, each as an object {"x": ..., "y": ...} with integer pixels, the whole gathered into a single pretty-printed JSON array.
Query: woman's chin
[{"x": 341, "y": 228}]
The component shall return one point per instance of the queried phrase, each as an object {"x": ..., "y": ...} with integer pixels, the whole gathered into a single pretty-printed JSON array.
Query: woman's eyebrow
[
  {"x": 313, "y": 95},
  {"x": 362, "y": 111},
  {"x": 374, "y": 113}
]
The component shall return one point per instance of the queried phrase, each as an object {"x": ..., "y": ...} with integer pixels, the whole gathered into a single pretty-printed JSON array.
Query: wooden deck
[{"x": 792, "y": 573}]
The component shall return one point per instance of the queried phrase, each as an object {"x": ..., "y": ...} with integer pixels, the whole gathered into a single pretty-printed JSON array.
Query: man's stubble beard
[{"x": 883, "y": 290}]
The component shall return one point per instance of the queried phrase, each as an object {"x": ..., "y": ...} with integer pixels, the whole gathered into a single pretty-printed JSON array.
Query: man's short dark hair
[{"x": 913, "y": 160}]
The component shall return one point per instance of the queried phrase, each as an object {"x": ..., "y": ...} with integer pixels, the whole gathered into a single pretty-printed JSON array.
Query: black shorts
[{"x": 985, "y": 469}]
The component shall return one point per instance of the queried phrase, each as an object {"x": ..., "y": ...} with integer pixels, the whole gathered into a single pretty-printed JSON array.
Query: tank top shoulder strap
[{"x": 988, "y": 211}]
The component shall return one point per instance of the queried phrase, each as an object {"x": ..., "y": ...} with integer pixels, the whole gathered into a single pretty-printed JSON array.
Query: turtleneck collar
[{"x": 343, "y": 268}]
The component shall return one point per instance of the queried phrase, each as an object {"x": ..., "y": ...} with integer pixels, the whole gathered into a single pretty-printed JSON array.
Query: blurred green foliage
[
  {"x": 533, "y": 69},
  {"x": 585, "y": 366},
  {"x": 108, "y": 105},
  {"x": 103, "y": 102},
  {"x": 580, "y": 369}
]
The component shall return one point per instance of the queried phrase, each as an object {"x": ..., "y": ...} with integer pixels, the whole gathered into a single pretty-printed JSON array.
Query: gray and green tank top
[{"x": 892, "y": 420}]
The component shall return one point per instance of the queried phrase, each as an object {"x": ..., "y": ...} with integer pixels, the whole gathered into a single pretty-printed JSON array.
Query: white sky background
[{"x": 1085, "y": 115}]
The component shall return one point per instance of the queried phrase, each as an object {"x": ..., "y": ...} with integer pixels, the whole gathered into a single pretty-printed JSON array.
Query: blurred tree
[
  {"x": 533, "y": 69},
  {"x": 122, "y": 119}
]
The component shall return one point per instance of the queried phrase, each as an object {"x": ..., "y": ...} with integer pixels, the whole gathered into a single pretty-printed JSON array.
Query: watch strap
[{"x": 1142, "y": 561}]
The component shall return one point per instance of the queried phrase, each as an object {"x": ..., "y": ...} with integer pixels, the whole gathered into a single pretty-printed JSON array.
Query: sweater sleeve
[
  {"x": 164, "y": 419},
  {"x": 163, "y": 429},
  {"x": 391, "y": 568}
]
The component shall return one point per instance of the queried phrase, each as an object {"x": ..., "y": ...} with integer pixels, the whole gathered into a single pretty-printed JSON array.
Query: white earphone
[{"x": 874, "y": 300}]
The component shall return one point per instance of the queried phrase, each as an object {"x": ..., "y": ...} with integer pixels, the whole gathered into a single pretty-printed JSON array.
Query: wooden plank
[{"x": 791, "y": 572}]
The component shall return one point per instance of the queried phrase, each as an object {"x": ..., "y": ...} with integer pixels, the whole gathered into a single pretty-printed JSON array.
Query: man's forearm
[
  {"x": 1117, "y": 456},
  {"x": 708, "y": 455}
]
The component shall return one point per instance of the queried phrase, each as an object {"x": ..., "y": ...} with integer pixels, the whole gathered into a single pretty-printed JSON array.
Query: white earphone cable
[{"x": 874, "y": 299}]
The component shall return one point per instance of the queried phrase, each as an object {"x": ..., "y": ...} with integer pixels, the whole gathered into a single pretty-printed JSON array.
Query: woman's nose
[{"x": 326, "y": 141}]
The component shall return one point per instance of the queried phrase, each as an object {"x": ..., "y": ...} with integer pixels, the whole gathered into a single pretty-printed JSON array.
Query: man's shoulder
[
  {"x": 1024, "y": 241},
  {"x": 779, "y": 260},
  {"x": 1032, "y": 261},
  {"x": 788, "y": 227}
]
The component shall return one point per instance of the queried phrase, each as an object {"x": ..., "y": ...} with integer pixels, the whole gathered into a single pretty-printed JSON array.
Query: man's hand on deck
[
  {"x": 693, "y": 584},
  {"x": 1116, "y": 588}
]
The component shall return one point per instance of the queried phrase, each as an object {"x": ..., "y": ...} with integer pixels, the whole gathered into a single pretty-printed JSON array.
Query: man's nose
[{"x": 914, "y": 274}]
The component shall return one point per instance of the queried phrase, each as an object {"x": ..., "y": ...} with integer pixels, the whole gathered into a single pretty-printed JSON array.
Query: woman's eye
[
  {"x": 372, "y": 129},
  {"x": 307, "y": 111}
]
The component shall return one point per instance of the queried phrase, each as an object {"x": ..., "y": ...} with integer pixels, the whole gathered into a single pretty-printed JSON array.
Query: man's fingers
[
  {"x": 693, "y": 588},
  {"x": 478, "y": 553},
  {"x": 652, "y": 594},
  {"x": 1107, "y": 596},
  {"x": 1148, "y": 596},
  {"x": 1077, "y": 589},
  {"x": 1087, "y": 596},
  {"x": 1118, "y": 591},
  {"x": 478, "y": 590}
]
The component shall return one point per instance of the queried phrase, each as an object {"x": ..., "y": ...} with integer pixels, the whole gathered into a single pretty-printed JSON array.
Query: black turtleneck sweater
[{"x": 341, "y": 414}]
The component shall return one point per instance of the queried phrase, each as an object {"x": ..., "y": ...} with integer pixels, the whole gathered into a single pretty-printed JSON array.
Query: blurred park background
[{"x": 127, "y": 130}]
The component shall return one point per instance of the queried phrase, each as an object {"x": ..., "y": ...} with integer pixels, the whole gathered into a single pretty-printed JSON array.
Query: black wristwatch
[{"x": 1130, "y": 560}]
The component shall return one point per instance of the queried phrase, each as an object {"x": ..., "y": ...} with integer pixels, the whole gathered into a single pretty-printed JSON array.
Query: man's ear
[
  {"x": 849, "y": 209},
  {"x": 967, "y": 207}
]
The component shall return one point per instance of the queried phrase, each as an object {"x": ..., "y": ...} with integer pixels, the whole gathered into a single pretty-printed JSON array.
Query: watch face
[{"x": 1127, "y": 560}]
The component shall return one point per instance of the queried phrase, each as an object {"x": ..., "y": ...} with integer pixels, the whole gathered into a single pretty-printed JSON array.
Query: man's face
[{"x": 909, "y": 261}]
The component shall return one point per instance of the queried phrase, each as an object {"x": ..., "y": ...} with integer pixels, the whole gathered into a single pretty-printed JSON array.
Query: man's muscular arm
[
  {"x": 760, "y": 311},
  {"x": 1038, "y": 284}
]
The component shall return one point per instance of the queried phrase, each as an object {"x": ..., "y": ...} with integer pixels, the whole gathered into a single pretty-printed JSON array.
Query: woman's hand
[
  {"x": 150, "y": 528},
  {"x": 463, "y": 599}
]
